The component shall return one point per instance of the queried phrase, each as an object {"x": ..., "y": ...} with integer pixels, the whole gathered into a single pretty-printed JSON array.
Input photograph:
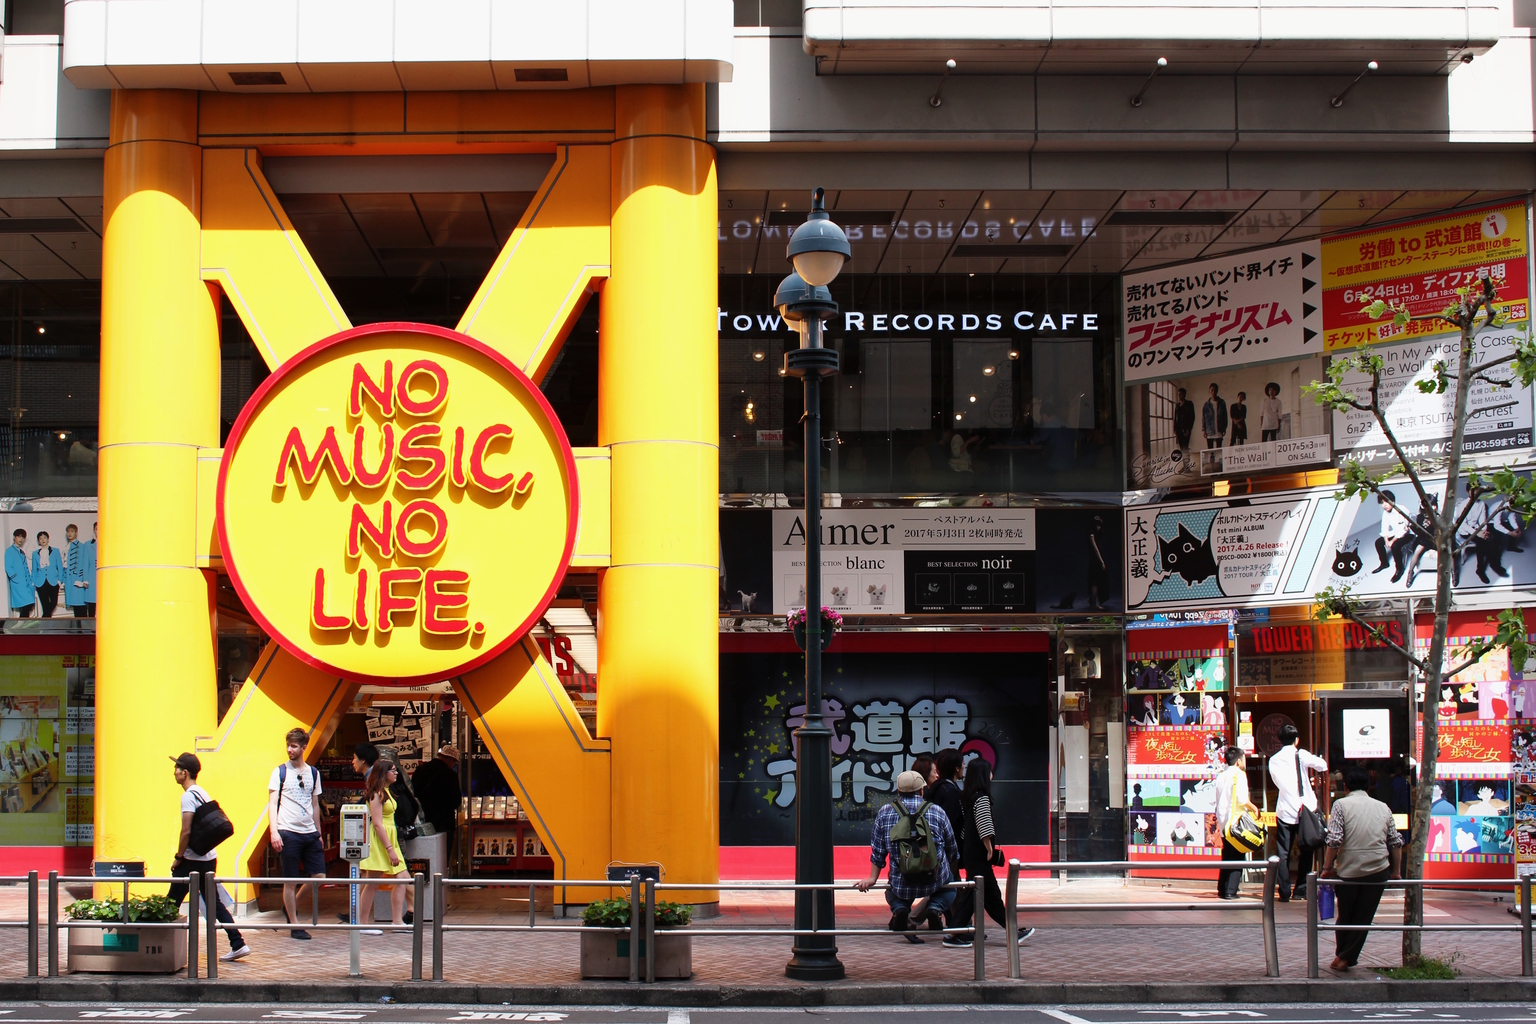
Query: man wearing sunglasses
[{"x": 293, "y": 815}]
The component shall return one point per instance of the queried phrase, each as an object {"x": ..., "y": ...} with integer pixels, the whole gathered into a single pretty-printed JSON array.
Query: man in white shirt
[
  {"x": 1295, "y": 790},
  {"x": 1232, "y": 779},
  {"x": 293, "y": 815},
  {"x": 194, "y": 796}
]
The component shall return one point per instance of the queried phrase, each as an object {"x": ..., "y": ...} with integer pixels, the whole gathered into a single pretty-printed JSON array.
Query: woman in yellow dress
[{"x": 384, "y": 858}]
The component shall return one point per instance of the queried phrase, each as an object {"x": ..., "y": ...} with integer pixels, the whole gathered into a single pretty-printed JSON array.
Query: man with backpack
[
  {"x": 293, "y": 816},
  {"x": 201, "y": 828},
  {"x": 917, "y": 837}
]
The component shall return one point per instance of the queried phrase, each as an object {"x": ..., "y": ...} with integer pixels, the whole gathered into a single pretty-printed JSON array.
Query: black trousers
[
  {"x": 49, "y": 596},
  {"x": 84, "y": 611},
  {"x": 1357, "y": 904},
  {"x": 1230, "y": 878},
  {"x": 178, "y": 892},
  {"x": 1285, "y": 839},
  {"x": 965, "y": 903}
]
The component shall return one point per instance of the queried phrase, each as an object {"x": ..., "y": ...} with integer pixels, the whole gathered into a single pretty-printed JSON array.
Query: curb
[{"x": 682, "y": 994}]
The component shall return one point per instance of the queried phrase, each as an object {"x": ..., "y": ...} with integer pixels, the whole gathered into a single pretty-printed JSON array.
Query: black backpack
[
  {"x": 210, "y": 827},
  {"x": 407, "y": 810}
]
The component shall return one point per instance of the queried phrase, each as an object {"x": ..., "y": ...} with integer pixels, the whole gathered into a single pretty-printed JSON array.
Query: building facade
[{"x": 1095, "y": 263}]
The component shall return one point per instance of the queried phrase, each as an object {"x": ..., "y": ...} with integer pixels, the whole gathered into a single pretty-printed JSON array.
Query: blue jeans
[{"x": 942, "y": 898}]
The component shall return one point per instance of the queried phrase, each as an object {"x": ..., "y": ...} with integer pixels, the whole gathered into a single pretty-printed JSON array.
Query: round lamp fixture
[{"x": 818, "y": 248}]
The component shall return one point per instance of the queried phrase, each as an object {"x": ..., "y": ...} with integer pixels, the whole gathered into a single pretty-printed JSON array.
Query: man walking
[
  {"x": 23, "y": 596},
  {"x": 194, "y": 796},
  {"x": 1288, "y": 770},
  {"x": 293, "y": 813},
  {"x": 1366, "y": 849},
  {"x": 436, "y": 783},
  {"x": 913, "y": 898},
  {"x": 1231, "y": 798}
]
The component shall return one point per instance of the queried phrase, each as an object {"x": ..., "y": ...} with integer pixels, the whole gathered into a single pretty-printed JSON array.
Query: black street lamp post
[{"x": 818, "y": 249}]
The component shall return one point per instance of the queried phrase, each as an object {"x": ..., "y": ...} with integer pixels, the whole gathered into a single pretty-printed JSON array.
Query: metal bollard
[
  {"x": 419, "y": 884},
  {"x": 1011, "y": 917},
  {"x": 649, "y": 937},
  {"x": 53, "y": 924},
  {"x": 1271, "y": 941},
  {"x": 194, "y": 893},
  {"x": 635, "y": 934},
  {"x": 210, "y": 921},
  {"x": 1312, "y": 924},
  {"x": 314, "y": 903},
  {"x": 31, "y": 924},
  {"x": 1525, "y": 926},
  {"x": 439, "y": 911},
  {"x": 533, "y": 920},
  {"x": 979, "y": 935}
]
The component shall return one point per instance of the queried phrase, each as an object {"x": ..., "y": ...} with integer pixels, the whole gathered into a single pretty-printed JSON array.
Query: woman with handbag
[
  {"x": 1297, "y": 825},
  {"x": 1231, "y": 804},
  {"x": 978, "y": 854}
]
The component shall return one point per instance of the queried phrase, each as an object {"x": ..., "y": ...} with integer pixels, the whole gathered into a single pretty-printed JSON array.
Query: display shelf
[{"x": 488, "y": 845}]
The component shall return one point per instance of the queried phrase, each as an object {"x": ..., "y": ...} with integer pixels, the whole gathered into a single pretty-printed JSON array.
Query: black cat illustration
[
  {"x": 1346, "y": 561},
  {"x": 1188, "y": 556}
]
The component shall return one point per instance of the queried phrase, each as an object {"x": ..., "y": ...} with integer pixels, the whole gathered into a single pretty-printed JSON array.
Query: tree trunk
[{"x": 1445, "y": 556}]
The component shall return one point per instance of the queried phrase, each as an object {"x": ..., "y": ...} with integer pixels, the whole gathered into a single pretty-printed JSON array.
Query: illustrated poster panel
[
  {"x": 1211, "y": 315},
  {"x": 886, "y": 710},
  {"x": 1228, "y": 421},
  {"x": 33, "y": 805}
]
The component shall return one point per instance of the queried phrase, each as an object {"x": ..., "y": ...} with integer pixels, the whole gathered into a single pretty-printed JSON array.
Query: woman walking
[
  {"x": 384, "y": 857},
  {"x": 977, "y": 853}
]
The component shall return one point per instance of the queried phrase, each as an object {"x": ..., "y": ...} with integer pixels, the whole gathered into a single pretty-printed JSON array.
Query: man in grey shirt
[{"x": 1365, "y": 849}]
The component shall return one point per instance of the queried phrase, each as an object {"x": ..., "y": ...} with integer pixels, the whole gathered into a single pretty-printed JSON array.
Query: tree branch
[{"x": 1354, "y": 616}]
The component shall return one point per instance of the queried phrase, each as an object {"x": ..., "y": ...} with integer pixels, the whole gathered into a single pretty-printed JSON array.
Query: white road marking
[
  {"x": 499, "y": 1015},
  {"x": 1208, "y": 1013},
  {"x": 317, "y": 1014},
  {"x": 677, "y": 1017},
  {"x": 134, "y": 1014},
  {"x": 1063, "y": 1015}
]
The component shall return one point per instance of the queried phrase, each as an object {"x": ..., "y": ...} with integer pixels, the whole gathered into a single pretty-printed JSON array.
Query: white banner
[
  {"x": 1214, "y": 314},
  {"x": 1500, "y": 418}
]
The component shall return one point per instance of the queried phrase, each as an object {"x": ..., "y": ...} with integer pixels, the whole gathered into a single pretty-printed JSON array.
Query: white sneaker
[
  {"x": 372, "y": 931},
  {"x": 236, "y": 954},
  {"x": 1024, "y": 933}
]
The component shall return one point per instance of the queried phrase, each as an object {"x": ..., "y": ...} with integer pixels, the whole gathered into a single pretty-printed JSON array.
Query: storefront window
[{"x": 949, "y": 384}]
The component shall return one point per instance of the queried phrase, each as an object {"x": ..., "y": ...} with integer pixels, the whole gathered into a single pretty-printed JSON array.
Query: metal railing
[
  {"x": 30, "y": 924},
  {"x": 1524, "y": 927},
  {"x": 642, "y": 916},
  {"x": 1267, "y": 918}
]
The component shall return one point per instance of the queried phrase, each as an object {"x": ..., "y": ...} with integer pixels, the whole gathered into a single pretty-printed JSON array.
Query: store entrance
[{"x": 1091, "y": 748}]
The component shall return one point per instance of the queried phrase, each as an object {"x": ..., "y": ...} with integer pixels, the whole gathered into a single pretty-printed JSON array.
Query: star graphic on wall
[
  {"x": 751, "y": 732},
  {"x": 769, "y": 797},
  {"x": 772, "y": 702},
  {"x": 773, "y": 748}
]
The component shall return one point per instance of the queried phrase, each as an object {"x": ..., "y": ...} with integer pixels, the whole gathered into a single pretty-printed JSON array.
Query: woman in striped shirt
[{"x": 977, "y": 850}]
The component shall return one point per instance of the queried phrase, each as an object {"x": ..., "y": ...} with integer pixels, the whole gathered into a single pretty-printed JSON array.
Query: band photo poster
[{"x": 1218, "y": 352}]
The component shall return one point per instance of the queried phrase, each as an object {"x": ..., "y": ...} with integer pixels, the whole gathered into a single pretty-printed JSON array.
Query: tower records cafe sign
[{"x": 397, "y": 504}]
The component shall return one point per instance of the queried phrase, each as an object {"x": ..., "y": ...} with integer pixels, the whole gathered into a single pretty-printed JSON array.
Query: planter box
[
  {"x": 606, "y": 955},
  {"x": 129, "y": 950}
]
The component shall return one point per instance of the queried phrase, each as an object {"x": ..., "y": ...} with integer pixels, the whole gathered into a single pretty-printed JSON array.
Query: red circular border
[{"x": 292, "y": 365}]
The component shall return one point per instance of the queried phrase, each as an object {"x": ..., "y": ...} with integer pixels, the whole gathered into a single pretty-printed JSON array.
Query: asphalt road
[{"x": 1499, "y": 1013}]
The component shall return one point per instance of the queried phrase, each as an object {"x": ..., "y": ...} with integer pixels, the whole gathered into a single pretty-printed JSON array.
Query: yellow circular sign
[{"x": 397, "y": 504}]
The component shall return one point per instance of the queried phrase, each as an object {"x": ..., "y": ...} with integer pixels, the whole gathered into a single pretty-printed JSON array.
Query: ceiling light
[
  {"x": 757, "y": 357},
  {"x": 41, "y": 329},
  {"x": 987, "y": 371},
  {"x": 781, "y": 371},
  {"x": 1013, "y": 353},
  {"x": 957, "y": 415},
  {"x": 973, "y": 398}
]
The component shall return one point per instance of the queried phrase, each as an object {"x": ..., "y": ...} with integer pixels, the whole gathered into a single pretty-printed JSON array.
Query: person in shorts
[{"x": 293, "y": 813}]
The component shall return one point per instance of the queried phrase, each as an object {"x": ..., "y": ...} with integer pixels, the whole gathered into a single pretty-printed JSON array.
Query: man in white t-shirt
[
  {"x": 194, "y": 796},
  {"x": 1231, "y": 799},
  {"x": 293, "y": 817}
]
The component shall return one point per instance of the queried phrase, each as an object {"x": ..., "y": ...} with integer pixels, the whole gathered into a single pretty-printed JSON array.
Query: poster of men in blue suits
[{"x": 50, "y": 566}]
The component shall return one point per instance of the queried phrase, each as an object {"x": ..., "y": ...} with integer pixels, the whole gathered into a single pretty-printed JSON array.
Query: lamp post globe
[{"x": 818, "y": 248}]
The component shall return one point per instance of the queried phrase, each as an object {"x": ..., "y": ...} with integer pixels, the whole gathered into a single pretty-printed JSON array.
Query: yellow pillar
[
  {"x": 159, "y": 404},
  {"x": 658, "y": 409}
]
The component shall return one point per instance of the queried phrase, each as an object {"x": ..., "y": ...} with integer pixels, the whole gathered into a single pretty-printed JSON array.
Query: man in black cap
[{"x": 194, "y": 796}]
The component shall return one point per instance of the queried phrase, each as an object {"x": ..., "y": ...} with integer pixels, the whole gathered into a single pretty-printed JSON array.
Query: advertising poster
[
  {"x": 1235, "y": 420},
  {"x": 1207, "y": 316},
  {"x": 33, "y": 808},
  {"x": 1284, "y": 548},
  {"x": 77, "y": 577},
  {"x": 1499, "y": 421},
  {"x": 1177, "y": 691},
  {"x": 1421, "y": 264},
  {"x": 925, "y": 560},
  {"x": 1367, "y": 733},
  {"x": 1171, "y": 789},
  {"x": 885, "y": 710},
  {"x": 1473, "y": 749}
]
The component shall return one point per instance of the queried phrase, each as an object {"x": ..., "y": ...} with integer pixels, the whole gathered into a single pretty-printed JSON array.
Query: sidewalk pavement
[{"x": 1134, "y": 953}]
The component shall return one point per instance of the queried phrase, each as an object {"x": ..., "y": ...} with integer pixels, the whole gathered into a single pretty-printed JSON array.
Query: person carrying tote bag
[
  {"x": 1236, "y": 816},
  {"x": 1297, "y": 824}
]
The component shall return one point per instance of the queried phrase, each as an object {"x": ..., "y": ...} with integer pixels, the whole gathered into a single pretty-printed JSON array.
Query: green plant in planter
[
  {"x": 146, "y": 909},
  {"x": 615, "y": 914}
]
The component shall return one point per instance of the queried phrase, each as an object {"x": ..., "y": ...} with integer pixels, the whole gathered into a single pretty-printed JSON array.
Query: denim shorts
[{"x": 302, "y": 854}]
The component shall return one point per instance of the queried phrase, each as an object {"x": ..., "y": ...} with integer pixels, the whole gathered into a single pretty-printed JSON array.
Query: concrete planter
[
  {"x": 128, "y": 950},
  {"x": 606, "y": 955}
]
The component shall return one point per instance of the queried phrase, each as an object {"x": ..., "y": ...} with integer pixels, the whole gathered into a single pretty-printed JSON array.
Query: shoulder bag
[
  {"x": 1309, "y": 827},
  {"x": 1243, "y": 832}
]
